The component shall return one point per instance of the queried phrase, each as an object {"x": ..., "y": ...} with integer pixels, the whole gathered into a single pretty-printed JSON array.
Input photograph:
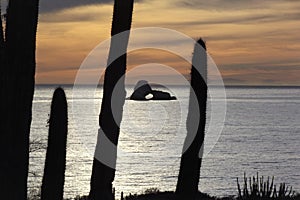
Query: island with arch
[{"x": 144, "y": 92}]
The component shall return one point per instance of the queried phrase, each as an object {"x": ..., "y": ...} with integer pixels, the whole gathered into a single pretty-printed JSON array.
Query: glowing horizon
[{"x": 253, "y": 43}]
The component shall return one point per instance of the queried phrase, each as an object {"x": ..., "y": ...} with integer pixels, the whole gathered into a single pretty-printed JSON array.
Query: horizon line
[{"x": 212, "y": 85}]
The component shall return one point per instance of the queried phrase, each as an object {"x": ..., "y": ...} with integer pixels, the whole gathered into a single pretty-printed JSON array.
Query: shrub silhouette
[
  {"x": 259, "y": 188},
  {"x": 189, "y": 173},
  {"x": 109, "y": 122},
  {"x": 16, "y": 89},
  {"x": 54, "y": 171}
]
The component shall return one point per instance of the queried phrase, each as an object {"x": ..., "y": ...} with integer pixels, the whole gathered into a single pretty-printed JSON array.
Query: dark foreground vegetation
[
  {"x": 254, "y": 188},
  {"x": 199, "y": 196},
  {"x": 156, "y": 195}
]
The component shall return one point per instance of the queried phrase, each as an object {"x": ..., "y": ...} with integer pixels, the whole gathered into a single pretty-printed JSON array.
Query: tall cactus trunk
[
  {"x": 54, "y": 171},
  {"x": 1, "y": 37},
  {"x": 1, "y": 42},
  {"x": 189, "y": 173},
  {"x": 4, "y": 164},
  {"x": 17, "y": 87},
  {"x": 109, "y": 122}
]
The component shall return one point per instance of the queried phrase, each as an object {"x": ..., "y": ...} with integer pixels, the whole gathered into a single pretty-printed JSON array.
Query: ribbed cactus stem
[
  {"x": 17, "y": 78},
  {"x": 54, "y": 171}
]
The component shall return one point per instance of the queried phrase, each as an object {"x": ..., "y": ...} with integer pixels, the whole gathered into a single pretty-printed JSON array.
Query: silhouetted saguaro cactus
[
  {"x": 189, "y": 173},
  {"x": 17, "y": 73},
  {"x": 54, "y": 172},
  {"x": 109, "y": 122}
]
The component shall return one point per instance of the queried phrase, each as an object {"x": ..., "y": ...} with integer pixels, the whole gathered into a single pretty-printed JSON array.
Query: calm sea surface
[{"x": 261, "y": 134}]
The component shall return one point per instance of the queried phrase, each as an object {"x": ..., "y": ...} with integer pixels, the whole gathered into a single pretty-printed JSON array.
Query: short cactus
[{"x": 54, "y": 172}]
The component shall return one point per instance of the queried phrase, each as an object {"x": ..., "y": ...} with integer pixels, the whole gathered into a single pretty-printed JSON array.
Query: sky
[{"x": 253, "y": 42}]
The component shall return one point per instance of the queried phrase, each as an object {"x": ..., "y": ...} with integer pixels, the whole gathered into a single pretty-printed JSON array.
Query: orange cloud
[{"x": 239, "y": 40}]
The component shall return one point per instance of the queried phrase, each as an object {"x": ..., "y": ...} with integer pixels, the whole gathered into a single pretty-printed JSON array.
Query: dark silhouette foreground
[
  {"x": 55, "y": 165},
  {"x": 109, "y": 122},
  {"x": 189, "y": 173},
  {"x": 171, "y": 196},
  {"x": 17, "y": 71}
]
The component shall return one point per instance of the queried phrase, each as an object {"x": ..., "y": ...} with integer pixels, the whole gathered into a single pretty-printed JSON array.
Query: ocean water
[{"x": 261, "y": 133}]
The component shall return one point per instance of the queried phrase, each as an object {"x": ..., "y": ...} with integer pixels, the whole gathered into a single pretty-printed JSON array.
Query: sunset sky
[{"x": 253, "y": 42}]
